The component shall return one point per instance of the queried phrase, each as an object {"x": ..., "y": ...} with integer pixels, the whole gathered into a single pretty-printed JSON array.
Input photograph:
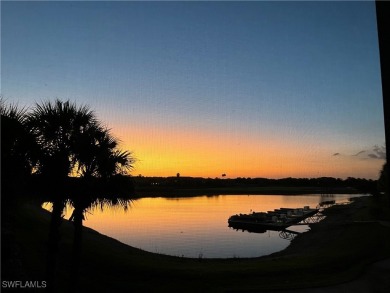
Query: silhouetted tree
[
  {"x": 18, "y": 153},
  {"x": 57, "y": 128},
  {"x": 59, "y": 140},
  {"x": 73, "y": 143},
  {"x": 99, "y": 164}
]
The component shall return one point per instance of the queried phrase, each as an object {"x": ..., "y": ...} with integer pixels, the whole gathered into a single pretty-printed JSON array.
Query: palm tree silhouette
[
  {"x": 55, "y": 127},
  {"x": 59, "y": 141},
  {"x": 73, "y": 143},
  {"x": 18, "y": 153},
  {"x": 99, "y": 164}
]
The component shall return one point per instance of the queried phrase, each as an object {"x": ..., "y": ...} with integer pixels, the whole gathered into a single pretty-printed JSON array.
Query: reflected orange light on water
[
  {"x": 190, "y": 226},
  {"x": 156, "y": 215}
]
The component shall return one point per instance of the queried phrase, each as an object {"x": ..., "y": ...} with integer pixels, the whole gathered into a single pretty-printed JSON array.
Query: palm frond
[{"x": 12, "y": 111}]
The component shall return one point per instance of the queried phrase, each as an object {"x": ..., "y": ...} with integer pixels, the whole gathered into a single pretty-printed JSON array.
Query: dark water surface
[{"x": 197, "y": 226}]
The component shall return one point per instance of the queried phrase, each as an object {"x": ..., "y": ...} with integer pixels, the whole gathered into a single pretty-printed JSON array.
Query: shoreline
[
  {"x": 321, "y": 257},
  {"x": 189, "y": 192}
]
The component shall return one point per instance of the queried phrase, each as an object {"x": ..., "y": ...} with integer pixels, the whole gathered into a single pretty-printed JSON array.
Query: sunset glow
[
  {"x": 204, "y": 154},
  {"x": 247, "y": 89}
]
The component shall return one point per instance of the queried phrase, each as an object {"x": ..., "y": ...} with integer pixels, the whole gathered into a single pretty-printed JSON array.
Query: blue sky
[{"x": 299, "y": 77}]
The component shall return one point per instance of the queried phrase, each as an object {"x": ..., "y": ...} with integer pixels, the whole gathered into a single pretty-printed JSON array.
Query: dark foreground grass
[{"x": 335, "y": 250}]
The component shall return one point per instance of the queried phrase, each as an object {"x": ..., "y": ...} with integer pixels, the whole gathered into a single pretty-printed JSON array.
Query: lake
[{"x": 197, "y": 226}]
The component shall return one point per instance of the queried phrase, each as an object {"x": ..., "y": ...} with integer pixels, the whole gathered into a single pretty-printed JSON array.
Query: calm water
[{"x": 197, "y": 226}]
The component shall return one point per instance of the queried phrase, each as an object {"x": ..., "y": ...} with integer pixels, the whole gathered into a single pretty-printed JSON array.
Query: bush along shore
[{"x": 335, "y": 250}]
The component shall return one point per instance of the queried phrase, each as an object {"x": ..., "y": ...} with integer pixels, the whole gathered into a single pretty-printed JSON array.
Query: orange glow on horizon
[{"x": 203, "y": 153}]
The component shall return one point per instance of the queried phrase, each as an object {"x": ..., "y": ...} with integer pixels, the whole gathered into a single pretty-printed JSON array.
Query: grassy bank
[{"x": 336, "y": 250}]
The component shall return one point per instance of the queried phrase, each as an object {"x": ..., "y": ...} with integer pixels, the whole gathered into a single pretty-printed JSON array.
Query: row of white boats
[{"x": 277, "y": 219}]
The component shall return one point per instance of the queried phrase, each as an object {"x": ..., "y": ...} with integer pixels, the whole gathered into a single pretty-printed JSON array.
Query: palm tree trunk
[
  {"x": 53, "y": 242},
  {"x": 77, "y": 245}
]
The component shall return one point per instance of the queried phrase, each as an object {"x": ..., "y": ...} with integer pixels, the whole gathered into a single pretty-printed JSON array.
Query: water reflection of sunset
[{"x": 190, "y": 226}]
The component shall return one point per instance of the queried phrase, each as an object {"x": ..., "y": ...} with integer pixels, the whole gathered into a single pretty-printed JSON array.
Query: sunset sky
[{"x": 250, "y": 89}]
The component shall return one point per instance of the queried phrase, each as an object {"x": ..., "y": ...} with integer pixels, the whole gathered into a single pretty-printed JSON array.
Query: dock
[{"x": 278, "y": 219}]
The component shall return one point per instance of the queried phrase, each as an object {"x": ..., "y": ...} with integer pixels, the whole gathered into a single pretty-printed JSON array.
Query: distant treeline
[{"x": 306, "y": 185}]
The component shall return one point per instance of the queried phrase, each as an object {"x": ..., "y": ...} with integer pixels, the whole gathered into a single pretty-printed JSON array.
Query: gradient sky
[{"x": 250, "y": 89}]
